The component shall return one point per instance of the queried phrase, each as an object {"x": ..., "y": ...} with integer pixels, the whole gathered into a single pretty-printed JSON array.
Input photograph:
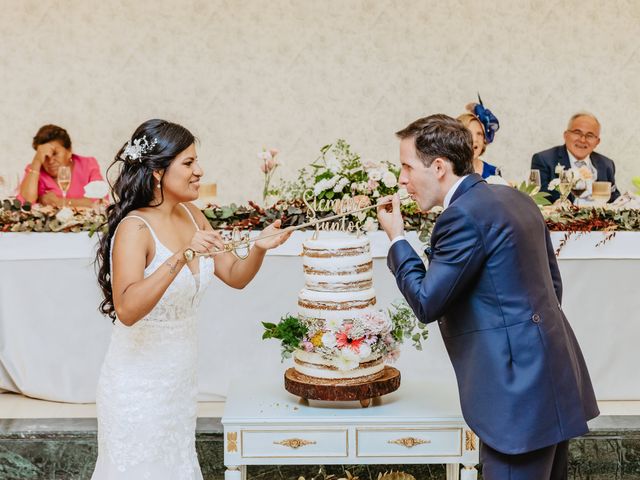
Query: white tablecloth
[{"x": 53, "y": 340}]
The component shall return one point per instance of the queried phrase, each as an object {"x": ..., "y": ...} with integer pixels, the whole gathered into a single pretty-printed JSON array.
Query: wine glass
[
  {"x": 578, "y": 188},
  {"x": 565, "y": 185},
  {"x": 64, "y": 182},
  {"x": 534, "y": 177}
]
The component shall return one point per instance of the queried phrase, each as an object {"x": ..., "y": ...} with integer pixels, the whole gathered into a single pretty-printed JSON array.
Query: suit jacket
[
  {"x": 547, "y": 161},
  {"x": 494, "y": 286}
]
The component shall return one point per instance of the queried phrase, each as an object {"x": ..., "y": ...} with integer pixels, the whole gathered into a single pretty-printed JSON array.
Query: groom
[{"x": 494, "y": 287}]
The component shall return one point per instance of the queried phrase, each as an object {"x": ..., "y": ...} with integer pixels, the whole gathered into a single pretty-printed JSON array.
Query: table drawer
[
  {"x": 294, "y": 443},
  {"x": 409, "y": 442}
]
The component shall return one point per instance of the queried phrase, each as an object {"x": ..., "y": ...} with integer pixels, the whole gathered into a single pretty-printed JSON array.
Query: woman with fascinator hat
[
  {"x": 153, "y": 270},
  {"x": 483, "y": 126}
]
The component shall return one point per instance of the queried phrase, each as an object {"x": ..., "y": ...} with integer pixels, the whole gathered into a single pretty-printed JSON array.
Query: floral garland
[{"x": 337, "y": 174}]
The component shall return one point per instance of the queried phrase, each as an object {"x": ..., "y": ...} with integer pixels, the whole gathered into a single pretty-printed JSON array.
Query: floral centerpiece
[
  {"x": 340, "y": 173},
  {"x": 374, "y": 332}
]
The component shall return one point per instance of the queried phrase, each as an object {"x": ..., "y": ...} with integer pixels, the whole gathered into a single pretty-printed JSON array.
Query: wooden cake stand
[{"x": 309, "y": 388}]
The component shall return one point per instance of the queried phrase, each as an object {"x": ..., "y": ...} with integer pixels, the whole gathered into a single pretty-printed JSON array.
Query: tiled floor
[{"x": 18, "y": 406}]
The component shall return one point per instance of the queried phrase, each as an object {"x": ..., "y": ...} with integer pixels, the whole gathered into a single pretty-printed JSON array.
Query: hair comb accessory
[
  {"x": 140, "y": 146},
  {"x": 486, "y": 117}
]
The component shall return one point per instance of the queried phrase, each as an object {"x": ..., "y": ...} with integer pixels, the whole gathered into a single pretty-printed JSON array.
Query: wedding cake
[{"x": 347, "y": 339}]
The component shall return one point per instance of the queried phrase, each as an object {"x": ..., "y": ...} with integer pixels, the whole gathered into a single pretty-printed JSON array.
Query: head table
[{"x": 53, "y": 339}]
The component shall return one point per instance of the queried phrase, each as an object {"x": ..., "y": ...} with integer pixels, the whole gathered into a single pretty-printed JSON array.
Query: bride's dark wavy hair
[{"x": 135, "y": 186}]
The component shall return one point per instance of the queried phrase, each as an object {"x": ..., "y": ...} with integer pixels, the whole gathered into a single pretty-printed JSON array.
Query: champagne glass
[
  {"x": 534, "y": 177},
  {"x": 565, "y": 185},
  {"x": 64, "y": 182}
]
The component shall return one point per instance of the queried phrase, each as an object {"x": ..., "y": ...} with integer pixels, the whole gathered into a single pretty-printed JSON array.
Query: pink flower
[
  {"x": 308, "y": 346},
  {"x": 268, "y": 165},
  {"x": 373, "y": 184},
  {"x": 376, "y": 322},
  {"x": 392, "y": 355}
]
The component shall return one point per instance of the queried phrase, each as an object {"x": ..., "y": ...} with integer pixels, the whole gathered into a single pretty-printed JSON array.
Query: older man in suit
[
  {"x": 581, "y": 137},
  {"x": 494, "y": 287}
]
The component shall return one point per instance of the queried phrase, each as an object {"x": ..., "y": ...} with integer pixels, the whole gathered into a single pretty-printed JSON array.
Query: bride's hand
[
  {"x": 205, "y": 241},
  {"x": 275, "y": 240}
]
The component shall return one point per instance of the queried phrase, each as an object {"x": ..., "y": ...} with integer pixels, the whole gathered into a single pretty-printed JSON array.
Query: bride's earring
[{"x": 158, "y": 184}]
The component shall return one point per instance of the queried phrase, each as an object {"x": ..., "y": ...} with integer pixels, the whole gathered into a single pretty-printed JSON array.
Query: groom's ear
[{"x": 441, "y": 166}]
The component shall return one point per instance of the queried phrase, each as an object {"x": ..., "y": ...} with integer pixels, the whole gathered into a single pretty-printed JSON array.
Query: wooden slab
[{"x": 310, "y": 388}]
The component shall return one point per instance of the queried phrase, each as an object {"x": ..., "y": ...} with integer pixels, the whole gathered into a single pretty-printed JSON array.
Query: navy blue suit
[
  {"x": 547, "y": 161},
  {"x": 494, "y": 286}
]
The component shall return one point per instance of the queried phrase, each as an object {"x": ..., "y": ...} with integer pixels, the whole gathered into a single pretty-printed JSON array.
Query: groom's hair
[{"x": 440, "y": 136}]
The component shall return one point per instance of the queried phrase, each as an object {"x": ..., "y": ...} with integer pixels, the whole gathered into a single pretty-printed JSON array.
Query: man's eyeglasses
[{"x": 590, "y": 137}]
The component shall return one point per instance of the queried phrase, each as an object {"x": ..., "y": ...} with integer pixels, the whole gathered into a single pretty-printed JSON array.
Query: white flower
[
  {"x": 325, "y": 184},
  {"x": 346, "y": 360},
  {"x": 370, "y": 225},
  {"x": 375, "y": 194},
  {"x": 496, "y": 180},
  {"x": 333, "y": 324},
  {"x": 96, "y": 189},
  {"x": 363, "y": 187},
  {"x": 64, "y": 215},
  {"x": 554, "y": 183},
  {"x": 559, "y": 169},
  {"x": 389, "y": 179},
  {"x": 375, "y": 175},
  {"x": 329, "y": 339},
  {"x": 364, "y": 350},
  {"x": 341, "y": 184},
  {"x": 332, "y": 162}
]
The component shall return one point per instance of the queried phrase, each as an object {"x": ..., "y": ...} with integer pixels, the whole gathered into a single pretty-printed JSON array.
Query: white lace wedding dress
[{"x": 146, "y": 399}]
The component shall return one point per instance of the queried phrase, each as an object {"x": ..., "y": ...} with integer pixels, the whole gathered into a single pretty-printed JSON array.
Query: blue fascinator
[{"x": 488, "y": 119}]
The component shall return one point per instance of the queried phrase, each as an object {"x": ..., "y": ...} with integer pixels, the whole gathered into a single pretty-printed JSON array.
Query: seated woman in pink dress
[{"x": 40, "y": 182}]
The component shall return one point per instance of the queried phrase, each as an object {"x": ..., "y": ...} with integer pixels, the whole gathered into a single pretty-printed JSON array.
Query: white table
[
  {"x": 53, "y": 340},
  {"x": 420, "y": 423}
]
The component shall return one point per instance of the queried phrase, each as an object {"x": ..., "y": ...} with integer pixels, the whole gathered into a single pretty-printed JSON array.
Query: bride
[{"x": 152, "y": 279}]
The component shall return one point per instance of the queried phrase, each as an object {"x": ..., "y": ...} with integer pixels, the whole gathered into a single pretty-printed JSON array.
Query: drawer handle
[
  {"x": 409, "y": 442},
  {"x": 295, "y": 442}
]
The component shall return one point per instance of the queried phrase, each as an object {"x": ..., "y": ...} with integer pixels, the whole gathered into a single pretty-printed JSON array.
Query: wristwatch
[{"x": 188, "y": 254}]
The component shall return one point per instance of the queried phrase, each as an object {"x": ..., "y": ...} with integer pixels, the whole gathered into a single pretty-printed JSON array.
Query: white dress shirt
[
  {"x": 586, "y": 160},
  {"x": 445, "y": 203}
]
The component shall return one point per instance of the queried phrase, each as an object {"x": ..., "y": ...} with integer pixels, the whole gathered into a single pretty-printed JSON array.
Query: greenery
[
  {"x": 406, "y": 325},
  {"x": 531, "y": 189},
  {"x": 17, "y": 217},
  {"x": 290, "y": 331}
]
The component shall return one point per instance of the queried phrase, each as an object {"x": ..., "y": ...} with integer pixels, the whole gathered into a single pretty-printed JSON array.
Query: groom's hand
[{"x": 389, "y": 216}]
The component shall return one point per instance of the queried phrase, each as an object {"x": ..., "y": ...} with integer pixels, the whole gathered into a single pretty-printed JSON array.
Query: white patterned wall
[{"x": 298, "y": 74}]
